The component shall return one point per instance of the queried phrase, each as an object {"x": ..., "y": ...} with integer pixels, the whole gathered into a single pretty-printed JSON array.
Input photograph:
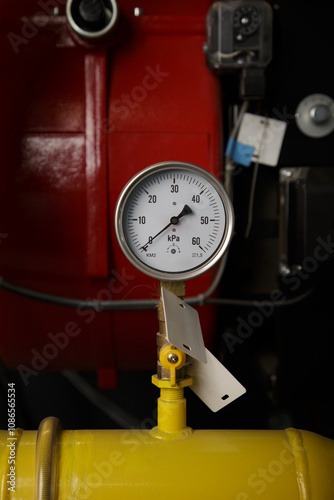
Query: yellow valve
[
  {"x": 172, "y": 359},
  {"x": 171, "y": 404}
]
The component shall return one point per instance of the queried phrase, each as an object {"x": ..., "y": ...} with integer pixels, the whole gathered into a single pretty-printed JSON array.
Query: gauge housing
[{"x": 218, "y": 245}]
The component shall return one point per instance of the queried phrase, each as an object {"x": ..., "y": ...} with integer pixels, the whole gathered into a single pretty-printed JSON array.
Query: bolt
[{"x": 172, "y": 358}]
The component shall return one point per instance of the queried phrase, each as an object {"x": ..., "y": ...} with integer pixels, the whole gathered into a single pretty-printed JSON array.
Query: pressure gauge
[{"x": 174, "y": 221}]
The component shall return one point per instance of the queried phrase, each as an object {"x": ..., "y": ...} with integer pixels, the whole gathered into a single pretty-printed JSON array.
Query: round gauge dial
[
  {"x": 174, "y": 220},
  {"x": 246, "y": 20}
]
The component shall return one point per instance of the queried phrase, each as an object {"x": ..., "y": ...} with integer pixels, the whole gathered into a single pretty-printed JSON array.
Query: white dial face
[{"x": 173, "y": 221}]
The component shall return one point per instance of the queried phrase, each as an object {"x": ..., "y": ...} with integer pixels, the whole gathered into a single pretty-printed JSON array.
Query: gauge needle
[{"x": 174, "y": 220}]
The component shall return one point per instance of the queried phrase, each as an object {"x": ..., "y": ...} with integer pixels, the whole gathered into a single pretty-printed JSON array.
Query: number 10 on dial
[{"x": 174, "y": 221}]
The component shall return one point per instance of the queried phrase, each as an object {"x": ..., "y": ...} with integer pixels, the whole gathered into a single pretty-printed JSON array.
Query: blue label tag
[{"x": 239, "y": 152}]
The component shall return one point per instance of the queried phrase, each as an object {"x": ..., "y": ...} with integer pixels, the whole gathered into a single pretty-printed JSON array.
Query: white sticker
[
  {"x": 183, "y": 326},
  {"x": 213, "y": 383},
  {"x": 265, "y": 135}
]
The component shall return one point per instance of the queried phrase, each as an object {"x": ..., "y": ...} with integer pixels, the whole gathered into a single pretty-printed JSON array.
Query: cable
[
  {"x": 109, "y": 305},
  {"x": 51, "y": 299},
  {"x": 202, "y": 298},
  {"x": 139, "y": 304},
  {"x": 115, "y": 412},
  {"x": 223, "y": 55},
  {"x": 250, "y": 303},
  {"x": 254, "y": 179},
  {"x": 236, "y": 126},
  {"x": 229, "y": 165},
  {"x": 231, "y": 54},
  {"x": 251, "y": 200}
]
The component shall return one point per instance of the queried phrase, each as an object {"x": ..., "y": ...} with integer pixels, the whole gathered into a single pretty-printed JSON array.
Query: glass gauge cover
[{"x": 173, "y": 221}]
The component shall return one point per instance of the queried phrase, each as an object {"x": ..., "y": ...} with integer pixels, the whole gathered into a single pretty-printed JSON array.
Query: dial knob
[{"x": 246, "y": 20}]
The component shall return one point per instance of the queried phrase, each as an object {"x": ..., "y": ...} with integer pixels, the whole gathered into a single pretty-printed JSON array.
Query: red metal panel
[
  {"x": 77, "y": 123},
  {"x": 96, "y": 165}
]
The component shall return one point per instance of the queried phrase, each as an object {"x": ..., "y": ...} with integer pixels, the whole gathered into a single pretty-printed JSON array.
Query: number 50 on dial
[{"x": 173, "y": 220}]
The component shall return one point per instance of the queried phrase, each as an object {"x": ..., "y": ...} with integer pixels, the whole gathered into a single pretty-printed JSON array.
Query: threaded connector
[{"x": 171, "y": 394}]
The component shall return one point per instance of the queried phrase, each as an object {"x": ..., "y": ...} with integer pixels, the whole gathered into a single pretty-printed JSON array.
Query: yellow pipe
[
  {"x": 9, "y": 442},
  {"x": 221, "y": 464}
]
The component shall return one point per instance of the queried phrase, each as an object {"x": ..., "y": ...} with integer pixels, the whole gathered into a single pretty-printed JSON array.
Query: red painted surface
[{"x": 76, "y": 123}]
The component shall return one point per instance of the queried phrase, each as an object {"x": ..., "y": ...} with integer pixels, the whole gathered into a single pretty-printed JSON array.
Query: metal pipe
[
  {"x": 46, "y": 461},
  {"x": 220, "y": 464}
]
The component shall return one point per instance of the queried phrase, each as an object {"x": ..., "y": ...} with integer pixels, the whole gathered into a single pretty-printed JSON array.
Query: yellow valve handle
[{"x": 172, "y": 359}]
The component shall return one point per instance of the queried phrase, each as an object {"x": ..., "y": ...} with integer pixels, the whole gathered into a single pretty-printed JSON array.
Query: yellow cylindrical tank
[{"x": 218, "y": 464}]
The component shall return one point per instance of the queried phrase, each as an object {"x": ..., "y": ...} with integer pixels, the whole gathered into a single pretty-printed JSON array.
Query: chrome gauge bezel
[{"x": 129, "y": 190}]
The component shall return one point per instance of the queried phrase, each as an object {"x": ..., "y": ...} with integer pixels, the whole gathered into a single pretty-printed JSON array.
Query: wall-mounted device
[
  {"x": 306, "y": 224},
  {"x": 315, "y": 115},
  {"x": 238, "y": 34}
]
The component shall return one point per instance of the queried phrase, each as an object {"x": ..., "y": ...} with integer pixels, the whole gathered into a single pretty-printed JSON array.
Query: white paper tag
[
  {"x": 213, "y": 383},
  {"x": 265, "y": 135},
  {"x": 183, "y": 326}
]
